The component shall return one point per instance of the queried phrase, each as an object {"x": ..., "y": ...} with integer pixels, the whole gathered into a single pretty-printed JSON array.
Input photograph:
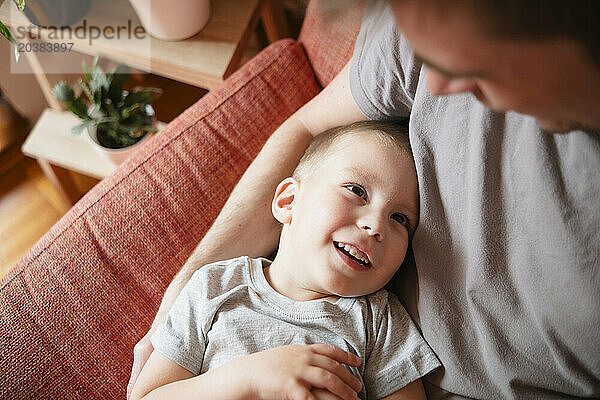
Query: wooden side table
[
  {"x": 204, "y": 60},
  {"x": 59, "y": 151}
]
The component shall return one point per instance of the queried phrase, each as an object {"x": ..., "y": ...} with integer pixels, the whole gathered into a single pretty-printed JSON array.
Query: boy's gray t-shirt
[
  {"x": 228, "y": 310},
  {"x": 507, "y": 283}
]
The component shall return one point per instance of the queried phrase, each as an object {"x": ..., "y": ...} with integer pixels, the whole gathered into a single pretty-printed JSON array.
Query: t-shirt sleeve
[
  {"x": 384, "y": 72},
  {"x": 398, "y": 354},
  {"x": 181, "y": 338}
]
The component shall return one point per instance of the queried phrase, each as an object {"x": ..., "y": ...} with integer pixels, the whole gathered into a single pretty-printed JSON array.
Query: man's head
[
  {"x": 349, "y": 210},
  {"x": 540, "y": 58}
]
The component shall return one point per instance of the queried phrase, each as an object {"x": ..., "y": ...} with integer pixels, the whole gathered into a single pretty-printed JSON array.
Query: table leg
[
  {"x": 42, "y": 78},
  {"x": 62, "y": 181},
  {"x": 274, "y": 21}
]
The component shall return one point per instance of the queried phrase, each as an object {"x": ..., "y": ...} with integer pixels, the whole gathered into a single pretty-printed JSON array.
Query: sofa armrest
[{"x": 73, "y": 308}]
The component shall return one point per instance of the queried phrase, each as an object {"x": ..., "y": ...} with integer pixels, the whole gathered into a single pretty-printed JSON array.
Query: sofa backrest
[{"x": 328, "y": 36}]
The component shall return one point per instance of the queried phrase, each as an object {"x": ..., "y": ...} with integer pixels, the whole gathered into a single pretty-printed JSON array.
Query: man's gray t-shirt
[
  {"x": 507, "y": 286},
  {"x": 228, "y": 310}
]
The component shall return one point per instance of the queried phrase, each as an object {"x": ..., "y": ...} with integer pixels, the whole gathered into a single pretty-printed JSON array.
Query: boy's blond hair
[{"x": 390, "y": 133}]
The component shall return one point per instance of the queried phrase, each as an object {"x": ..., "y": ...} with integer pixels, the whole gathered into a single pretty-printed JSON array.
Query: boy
[{"x": 248, "y": 328}]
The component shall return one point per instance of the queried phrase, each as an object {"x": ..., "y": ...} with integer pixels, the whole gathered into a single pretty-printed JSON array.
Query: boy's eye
[
  {"x": 401, "y": 218},
  {"x": 357, "y": 190}
]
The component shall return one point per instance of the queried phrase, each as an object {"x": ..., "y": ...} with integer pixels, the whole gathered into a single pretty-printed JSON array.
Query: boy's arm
[
  {"x": 245, "y": 225},
  {"x": 283, "y": 372},
  {"x": 158, "y": 371},
  {"x": 162, "y": 378}
]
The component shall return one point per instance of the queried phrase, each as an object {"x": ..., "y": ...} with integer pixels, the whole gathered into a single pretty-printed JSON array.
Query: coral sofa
[{"x": 73, "y": 308}]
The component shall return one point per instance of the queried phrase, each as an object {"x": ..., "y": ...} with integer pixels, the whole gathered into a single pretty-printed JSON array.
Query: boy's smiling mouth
[{"x": 353, "y": 253}]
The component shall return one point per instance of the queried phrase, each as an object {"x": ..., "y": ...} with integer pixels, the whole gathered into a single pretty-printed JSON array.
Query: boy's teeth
[{"x": 354, "y": 252}]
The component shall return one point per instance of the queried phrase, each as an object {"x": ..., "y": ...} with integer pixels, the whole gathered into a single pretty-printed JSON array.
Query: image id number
[{"x": 43, "y": 47}]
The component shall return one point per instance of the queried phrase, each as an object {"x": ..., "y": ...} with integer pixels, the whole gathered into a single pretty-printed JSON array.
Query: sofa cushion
[
  {"x": 328, "y": 35},
  {"x": 73, "y": 308}
]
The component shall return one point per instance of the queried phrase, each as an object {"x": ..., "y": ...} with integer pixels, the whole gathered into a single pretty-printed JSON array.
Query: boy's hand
[
  {"x": 321, "y": 394},
  {"x": 290, "y": 372}
]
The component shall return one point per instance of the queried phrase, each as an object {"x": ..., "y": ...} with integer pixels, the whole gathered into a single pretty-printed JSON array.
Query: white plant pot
[
  {"x": 117, "y": 156},
  {"x": 172, "y": 19}
]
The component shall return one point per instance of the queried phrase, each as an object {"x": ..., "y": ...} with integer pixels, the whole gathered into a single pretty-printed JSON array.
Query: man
[{"x": 508, "y": 244}]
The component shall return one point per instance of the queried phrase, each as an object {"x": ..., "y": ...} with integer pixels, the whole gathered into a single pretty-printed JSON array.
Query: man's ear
[{"x": 283, "y": 201}]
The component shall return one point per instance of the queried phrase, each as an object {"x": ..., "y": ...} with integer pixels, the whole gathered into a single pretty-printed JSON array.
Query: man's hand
[
  {"x": 141, "y": 353},
  {"x": 291, "y": 372}
]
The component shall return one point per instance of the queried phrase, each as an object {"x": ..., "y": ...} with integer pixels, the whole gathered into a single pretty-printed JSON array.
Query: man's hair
[
  {"x": 576, "y": 20},
  {"x": 390, "y": 133}
]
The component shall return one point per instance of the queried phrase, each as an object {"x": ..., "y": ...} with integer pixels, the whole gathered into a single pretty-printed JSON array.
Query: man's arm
[
  {"x": 245, "y": 226},
  {"x": 412, "y": 391}
]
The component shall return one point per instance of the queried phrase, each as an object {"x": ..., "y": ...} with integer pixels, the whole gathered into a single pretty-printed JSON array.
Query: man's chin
[
  {"x": 548, "y": 125},
  {"x": 560, "y": 126}
]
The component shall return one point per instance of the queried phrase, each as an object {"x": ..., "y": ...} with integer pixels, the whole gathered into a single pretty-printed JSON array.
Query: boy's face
[{"x": 350, "y": 220}]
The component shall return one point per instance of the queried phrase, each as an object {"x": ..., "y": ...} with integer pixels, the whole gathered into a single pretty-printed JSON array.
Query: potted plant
[{"x": 116, "y": 119}]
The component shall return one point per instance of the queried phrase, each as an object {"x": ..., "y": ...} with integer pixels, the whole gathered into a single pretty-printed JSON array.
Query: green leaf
[
  {"x": 66, "y": 95},
  {"x": 79, "y": 108},
  {"x": 98, "y": 82},
  {"x": 119, "y": 76},
  {"x": 95, "y": 63},
  {"x": 64, "y": 92},
  {"x": 127, "y": 112},
  {"x": 99, "y": 86},
  {"x": 108, "y": 121},
  {"x": 86, "y": 90},
  {"x": 79, "y": 128},
  {"x": 86, "y": 72},
  {"x": 6, "y": 33}
]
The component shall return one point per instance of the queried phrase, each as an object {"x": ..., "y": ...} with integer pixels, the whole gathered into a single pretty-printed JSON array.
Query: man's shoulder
[{"x": 384, "y": 73}]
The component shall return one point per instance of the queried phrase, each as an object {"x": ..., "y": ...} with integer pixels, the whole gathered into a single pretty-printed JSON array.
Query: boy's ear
[{"x": 283, "y": 201}]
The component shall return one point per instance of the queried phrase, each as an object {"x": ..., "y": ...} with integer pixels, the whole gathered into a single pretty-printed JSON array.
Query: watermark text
[{"x": 84, "y": 31}]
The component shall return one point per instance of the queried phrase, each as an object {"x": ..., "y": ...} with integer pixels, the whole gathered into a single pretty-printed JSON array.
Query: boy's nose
[
  {"x": 372, "y": 232},
  {"x": 373, "y": 226}
]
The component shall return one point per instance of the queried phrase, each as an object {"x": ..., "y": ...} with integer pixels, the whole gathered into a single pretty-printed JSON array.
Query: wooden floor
[{"x": 29, "y": 206}]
